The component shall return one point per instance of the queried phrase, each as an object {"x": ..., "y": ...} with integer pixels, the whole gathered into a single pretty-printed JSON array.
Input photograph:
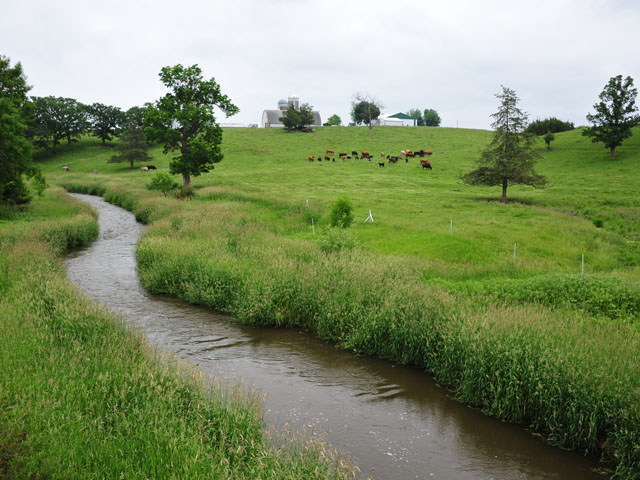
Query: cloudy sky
[{"x": 450, "y": 55}]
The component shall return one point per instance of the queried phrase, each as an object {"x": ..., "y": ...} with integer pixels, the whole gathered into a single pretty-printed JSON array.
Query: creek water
[{"x": 394, "y": 421}]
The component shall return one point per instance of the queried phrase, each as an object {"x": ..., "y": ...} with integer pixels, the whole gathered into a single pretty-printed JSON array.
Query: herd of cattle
[{"x": 330, "y": 156}]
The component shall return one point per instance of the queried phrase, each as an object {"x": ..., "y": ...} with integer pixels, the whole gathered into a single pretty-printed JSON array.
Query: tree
[
  {"x": 365, "y": 109},
  {"x": 417, "y": 115},
  {"x": 431, "y": 118},
  {"x": 105, "y": 121},
  {"x": 511, "y": 156},
  {"x": 15, "y": 146},
  {"x": 548, "y": 138},
  {"x": 299, "y": 120},
  {"x": 333, "y": 121},
  {"x": 184, "y": 120},
  {"x": 132, "y": 147},
  {"x": 552, "y": 124},
  {"x": 56, "y": 118},
  {"x": 615, "y": 114}
]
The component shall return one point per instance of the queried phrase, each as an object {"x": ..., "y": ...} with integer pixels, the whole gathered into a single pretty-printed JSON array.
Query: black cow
[{"x": 152, "y": 167}]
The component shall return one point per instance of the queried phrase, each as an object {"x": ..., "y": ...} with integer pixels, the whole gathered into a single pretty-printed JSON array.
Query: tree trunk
[
  {"x": 504, "y": 191},
  {"x": 186, "y": 180},
  {"x": 68, "y": 139},
  {"x": 613, "y": 153}
]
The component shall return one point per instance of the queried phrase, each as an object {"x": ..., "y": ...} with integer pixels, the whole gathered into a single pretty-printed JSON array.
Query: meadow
[{"x": 433, "y": 281}]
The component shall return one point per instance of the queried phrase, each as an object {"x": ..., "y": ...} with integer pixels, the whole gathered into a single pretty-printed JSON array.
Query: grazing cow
[
  {"x": 144, "y": 169},
  {"x": 392, "y": 159},
  {"x": 354, "y": 153},
  {"x": 342, "y": 154},
  {"x": 381, "y": 164},
  {"x": 426, "y": 164},
  {"x": 327, "y": 158},
  {"x": 365, "y": 154},
  {"x": 330, "y": 151},
  {"x": 152, "y": 167},
  {"x": 428, "y": 153},
  {"x": 333, "y": 159},
  {"x": 66, "y": 169},
  {"x": 311, "y": 158},
  {"x": 95, "y": 172}
]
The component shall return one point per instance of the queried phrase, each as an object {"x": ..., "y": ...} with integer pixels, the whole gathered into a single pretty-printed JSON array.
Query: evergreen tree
[
  {"x": 133, "y": 147},
  {"x": 615, "y": 114},
  {"x": 298, "y": 119},
  {"x": 511, "y": 156}
]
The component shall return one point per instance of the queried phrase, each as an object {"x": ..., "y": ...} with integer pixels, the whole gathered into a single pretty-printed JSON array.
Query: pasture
[
  {"x": 589, "y": 207},
  {"x": 433, "y": 281}
]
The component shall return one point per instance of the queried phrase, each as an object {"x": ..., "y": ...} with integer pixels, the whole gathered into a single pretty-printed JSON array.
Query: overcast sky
[{"x": 450, "y": 55}]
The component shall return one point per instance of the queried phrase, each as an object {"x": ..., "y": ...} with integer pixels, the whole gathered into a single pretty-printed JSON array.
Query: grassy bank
[
  {"x": 531, "y": 341},
  {"x": 83, "y": 397}
]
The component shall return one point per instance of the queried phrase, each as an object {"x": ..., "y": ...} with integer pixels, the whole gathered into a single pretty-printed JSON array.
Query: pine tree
[{"x": 511, "y": 156}]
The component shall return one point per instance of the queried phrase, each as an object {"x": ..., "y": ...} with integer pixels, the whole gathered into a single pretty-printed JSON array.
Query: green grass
[
  {"x": 432, "y": 282},
  {"x": 81, "y": 396}
]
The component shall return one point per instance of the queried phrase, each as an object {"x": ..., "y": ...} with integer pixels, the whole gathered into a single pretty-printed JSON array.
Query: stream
[{"x": 393, "y": 421}]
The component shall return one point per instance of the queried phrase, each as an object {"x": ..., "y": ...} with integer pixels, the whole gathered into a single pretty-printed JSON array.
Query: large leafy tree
[
  {"x": 298, "y": 119},
  {"x": 365, "y": 109},
  {"x": 511, "y": 156},
  {"x": 57, "y": 118},
  {"x": 184, "y": 121},
  {"x": 106, "y": 121},
  {"x": 431, "y": 118},
  {"x": 615, "y": 114},
  {"x": 15, "y": 147}
]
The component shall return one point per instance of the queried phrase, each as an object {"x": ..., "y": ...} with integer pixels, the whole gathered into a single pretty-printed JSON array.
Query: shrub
[
  {"x": 184, "y": 193},
  {"x": 341, "y": 213},
  {"x": 162, "y": 182},
  {"x": 335, "y": 240}
]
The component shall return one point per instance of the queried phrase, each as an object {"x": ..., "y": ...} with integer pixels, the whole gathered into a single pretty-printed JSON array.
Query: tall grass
[{"x": 81, "y": 396}]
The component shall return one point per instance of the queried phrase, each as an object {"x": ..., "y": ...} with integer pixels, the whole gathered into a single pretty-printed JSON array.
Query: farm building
[
  {"x": 396, "y": 120},
  {"x": 271, "y": 118}
]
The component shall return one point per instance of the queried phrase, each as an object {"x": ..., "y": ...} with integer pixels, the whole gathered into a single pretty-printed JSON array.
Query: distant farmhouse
[
  {"x": 271, "y": 118},
  {"x": 395, "y": 120}
]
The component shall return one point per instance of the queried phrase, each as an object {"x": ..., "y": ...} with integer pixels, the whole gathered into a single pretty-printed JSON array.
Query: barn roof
[{"x": 401, "y": 116}]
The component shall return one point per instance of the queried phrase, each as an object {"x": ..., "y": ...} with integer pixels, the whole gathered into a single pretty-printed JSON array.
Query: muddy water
[{"x": 394, "y": 421}]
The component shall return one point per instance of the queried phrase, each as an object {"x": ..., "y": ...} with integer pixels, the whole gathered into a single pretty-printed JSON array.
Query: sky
[{"x": 452, "y": 56}]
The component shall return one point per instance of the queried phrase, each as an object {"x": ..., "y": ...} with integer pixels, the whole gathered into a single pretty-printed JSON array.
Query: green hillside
[{"x": 589, "y": 207}]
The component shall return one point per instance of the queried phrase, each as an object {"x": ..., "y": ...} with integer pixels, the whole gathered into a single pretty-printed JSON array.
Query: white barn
[{"x": 271, "y": 118}]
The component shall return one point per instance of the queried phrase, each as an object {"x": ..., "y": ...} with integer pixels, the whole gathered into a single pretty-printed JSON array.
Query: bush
[
  {"x": 162, "y": 182},
  {"x": 553, "y": 125},
  {"x": 335, "y": 240},
  {"x": 341, "y": 213},
  {"x": 185, "y": 193}
]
